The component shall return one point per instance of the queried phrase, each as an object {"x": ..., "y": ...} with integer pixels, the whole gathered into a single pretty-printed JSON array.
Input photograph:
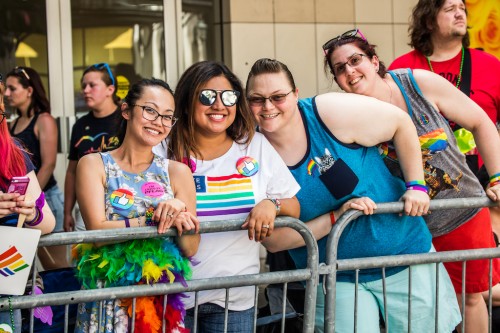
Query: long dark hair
[
  {"x": 28, "y": 77},
  {"x": 182, "y": 140},
  {"x": 136, "y": 91},
  {"x": 362, "y": 44},
  {"x": 423, "y": 21}
]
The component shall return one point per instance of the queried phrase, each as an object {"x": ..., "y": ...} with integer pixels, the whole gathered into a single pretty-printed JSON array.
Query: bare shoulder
[
  {"x": 178, "y": 169},
  {"x": 45, "y": 120},
  {"x": 93, "y": 160}
]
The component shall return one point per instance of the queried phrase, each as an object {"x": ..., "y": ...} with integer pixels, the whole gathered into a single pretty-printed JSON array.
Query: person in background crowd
[
  {"x": 328, "y": 142},
  {"x": 94, "y": 132},
  {"x": 427, "y": 97},
  {"x": 238, "y": 174},
  {"x": 37, "y": 130},
  {"x": 139, "y": 189},
  {"x": 16, "y": 162}
]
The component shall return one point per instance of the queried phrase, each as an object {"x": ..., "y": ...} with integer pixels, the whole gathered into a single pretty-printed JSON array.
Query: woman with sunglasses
[
  {"x": 238, "y": 175},
  {"x": 139, "y": 189},
  {"x": 16, "y": 162},
  {"x": 327, "y": 142},
  {"x": 93, "y": 132},
  {"x": 37, "y": 130},
  {"x": 427, "y": 97}
]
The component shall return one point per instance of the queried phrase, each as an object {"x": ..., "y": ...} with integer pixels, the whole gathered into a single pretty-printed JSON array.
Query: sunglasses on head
[
  {"x": 347, "y": 34},
  {"x": 104, "y": 65},
  {"x": 228, "y": 97},
  {"x": 20, "y": 70}
]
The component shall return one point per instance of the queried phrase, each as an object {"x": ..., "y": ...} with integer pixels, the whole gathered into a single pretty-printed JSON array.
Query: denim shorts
[
  {"x": 55, "y": 200},
  {"x": 371, "y": 302},
  {"x": 211, "y": 319}
]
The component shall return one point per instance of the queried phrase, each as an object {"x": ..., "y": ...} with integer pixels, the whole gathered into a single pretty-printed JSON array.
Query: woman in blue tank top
[
  {"x": 427, "y": 97},
  {"x": 328, "y": 144}
]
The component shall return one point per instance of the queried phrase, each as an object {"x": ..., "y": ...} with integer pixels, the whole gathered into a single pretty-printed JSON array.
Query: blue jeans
[
  {"x": 5, "y": 319},
  {"x": 211, "y": 319},
  {"x": 55, "y": 199}
]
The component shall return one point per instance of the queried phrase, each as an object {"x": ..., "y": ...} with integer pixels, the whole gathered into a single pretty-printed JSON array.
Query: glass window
[
  {"x": 128, "y": 35},
  {"x": 200, "y": 32},
  {"x": 23, "y": 37}
]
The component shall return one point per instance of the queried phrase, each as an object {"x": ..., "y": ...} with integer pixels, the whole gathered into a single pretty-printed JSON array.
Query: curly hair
[{"x": 423, "y": 22}]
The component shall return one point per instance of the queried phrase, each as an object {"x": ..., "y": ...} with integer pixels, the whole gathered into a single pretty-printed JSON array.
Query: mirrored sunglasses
[
  {"x": 228, "y": 97},
  {"x": 347, "y": 34}
]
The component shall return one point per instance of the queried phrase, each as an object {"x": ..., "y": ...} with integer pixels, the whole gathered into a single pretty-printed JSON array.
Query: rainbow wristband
[
  {"x": 422, "y": 188},
  {"x": 149, "y": 217},
  {"x": 495, "y": 177},
  {"x": 415, "y": 182},
  {"x": 493, "y": 183}
]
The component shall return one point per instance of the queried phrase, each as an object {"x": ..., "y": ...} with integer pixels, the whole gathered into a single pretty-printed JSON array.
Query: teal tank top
[{"x": 331, "y": 173}]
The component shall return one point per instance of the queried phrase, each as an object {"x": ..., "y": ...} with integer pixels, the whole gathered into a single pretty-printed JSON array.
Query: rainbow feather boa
[{"x": 148, "y": 261}]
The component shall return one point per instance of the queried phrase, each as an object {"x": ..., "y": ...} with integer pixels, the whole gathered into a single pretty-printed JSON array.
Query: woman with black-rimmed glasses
[
  {"x": 131, "y": 187},
  {"x": 94, "y": 132},
  {"x": 432, "y": 102},
  {"x": 238, "y": 175}
]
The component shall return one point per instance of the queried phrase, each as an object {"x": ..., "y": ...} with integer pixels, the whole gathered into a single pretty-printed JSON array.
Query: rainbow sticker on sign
[
  {"x": 11, "y": 262},
  {"x": 122, "y": 199}
]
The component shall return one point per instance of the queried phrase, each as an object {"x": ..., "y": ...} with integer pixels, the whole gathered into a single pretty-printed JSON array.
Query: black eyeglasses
[
  {"x": 347, "y": 34},
  {"x": 104, "y": 65},
  {"x": 20, "y": 70},
  {"x": 151, "y": 114},
  {"x": 228, "y": 97},
  {"x": 275, "y": 99},
  {"x": 353, "y": 61}
]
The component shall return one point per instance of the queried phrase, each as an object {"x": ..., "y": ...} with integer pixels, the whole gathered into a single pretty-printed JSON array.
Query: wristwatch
[{"x": 277, "y": 204}]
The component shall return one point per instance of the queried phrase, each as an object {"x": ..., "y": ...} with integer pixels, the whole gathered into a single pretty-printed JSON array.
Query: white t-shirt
[{"x": 223, "y": 193}]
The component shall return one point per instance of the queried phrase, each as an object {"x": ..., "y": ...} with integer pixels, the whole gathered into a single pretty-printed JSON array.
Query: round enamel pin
[
  {"x": 5, "y": 328},
  {"x": 247, "y": 166},
  {"x": 122, "y": 199}
]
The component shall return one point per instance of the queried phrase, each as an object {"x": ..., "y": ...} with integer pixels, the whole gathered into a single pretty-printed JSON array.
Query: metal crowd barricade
[
  {"x": 308, "y": 274},
  {"x": 329, "y": 271}
]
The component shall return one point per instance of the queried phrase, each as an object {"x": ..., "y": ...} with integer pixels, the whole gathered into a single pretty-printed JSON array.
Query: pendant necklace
[{"x": 461, "y": 67}]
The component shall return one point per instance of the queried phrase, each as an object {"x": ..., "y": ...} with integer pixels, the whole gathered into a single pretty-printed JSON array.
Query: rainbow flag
[
  {"x": 11, "y": 262},
  {"x": 225, "y": 195},
  {"x": 436, "y": 140},
  {"x": 312, "y": 168}
]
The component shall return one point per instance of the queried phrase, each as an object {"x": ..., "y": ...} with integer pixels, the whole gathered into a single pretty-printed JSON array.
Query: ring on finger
[
  {"x": 170, "y": 215},
  {"x": 265, "y": 226}
]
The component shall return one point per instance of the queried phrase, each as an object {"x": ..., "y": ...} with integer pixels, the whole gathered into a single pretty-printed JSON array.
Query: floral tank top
[{"x": 131, "y": 195}]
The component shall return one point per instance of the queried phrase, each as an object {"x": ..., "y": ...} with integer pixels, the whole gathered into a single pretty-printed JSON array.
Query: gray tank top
[{"x": 445, "y": 169}]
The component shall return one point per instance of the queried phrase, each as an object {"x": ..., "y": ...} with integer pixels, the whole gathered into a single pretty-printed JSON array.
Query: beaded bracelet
[
  {"x": 149, "y": 216},
  {"x": 39, "y": 203}
]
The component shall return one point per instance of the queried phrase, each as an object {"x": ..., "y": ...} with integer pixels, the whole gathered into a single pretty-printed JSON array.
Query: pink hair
[{"x": 13, "y": 158}]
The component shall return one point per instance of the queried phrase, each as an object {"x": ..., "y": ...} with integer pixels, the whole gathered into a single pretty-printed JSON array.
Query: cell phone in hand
[{"x": 18, "y": 185}]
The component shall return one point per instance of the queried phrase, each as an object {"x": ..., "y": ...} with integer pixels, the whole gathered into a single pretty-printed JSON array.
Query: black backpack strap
[{"x": 466, "y": 73}]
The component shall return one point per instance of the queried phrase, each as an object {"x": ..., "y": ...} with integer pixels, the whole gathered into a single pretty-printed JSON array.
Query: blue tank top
[
  {"x": 331, "y": 173},
  {"x": 131, "y": 195}
]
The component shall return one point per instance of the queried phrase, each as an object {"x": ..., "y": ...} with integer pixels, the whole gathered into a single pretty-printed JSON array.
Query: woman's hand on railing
[
  {"x": 260, "y": 221},
  {"x": 416, "y": 202},
  {"x": 494, "y": 193},
  {"x": 364, "y": 204},
  {"x": 166, "y": 212},
  {"x": 184, "y": 221}
]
